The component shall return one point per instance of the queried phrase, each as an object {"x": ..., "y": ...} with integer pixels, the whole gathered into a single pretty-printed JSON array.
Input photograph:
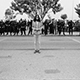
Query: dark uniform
[
  {"x": 63, "y": 27},
  {"x": 51, "y": 28},
  {"x": 7, "y": 27},
  {"x": 23, "y": 27},
  {"x": 59, "y": 27},
  {"x": 2, "y": 27},
  {"x": 70, "y": 24},
  {"x": 11, "y": 27},
  {"x": 30, "y": 27},
  {"x": 46, "y": 25}
]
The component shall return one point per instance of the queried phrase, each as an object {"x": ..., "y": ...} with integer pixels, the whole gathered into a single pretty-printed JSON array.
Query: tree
[
  {"x": 78, "y": 9},
  {"x": 9, "y": 14},
  {"x": 64, "y": 16},
  {"x": 31, "y": 7},
  {"x": 78, "y": 12}
]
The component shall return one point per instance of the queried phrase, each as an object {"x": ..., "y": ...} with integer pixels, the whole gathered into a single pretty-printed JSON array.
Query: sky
[{"x": 68, "y": 8}]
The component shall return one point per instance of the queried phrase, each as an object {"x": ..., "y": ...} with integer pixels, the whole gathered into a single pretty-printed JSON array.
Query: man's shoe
[
  {"x": 38, "y": 51},
  {"x": 35, "y": 51}
]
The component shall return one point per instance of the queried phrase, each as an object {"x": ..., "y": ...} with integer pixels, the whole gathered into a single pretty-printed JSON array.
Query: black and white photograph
[{"x": 39, "y": 39}]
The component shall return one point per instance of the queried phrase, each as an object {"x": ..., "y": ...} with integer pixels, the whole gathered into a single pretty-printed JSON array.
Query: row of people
[
  {"x": 13, "y": 27},
  {"x": 56, "y": 27},
  {"x": 50, "y": 26}
]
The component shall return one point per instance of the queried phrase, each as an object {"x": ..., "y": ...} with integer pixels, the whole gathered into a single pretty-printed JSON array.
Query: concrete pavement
[{"x": 59, "y": 59}]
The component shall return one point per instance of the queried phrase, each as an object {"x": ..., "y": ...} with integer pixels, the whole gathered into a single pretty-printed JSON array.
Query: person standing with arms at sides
[{"x": 37, "y": 30}]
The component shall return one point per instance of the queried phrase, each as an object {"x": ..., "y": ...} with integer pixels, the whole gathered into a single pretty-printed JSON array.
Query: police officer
[
  {"x": 46, "y": 27},
  {"x": 59, "y": 27},
  {"x": 70, "y": 23},
  {"x": 30, "y": 27},
  {"x": 22, "y": 26}
]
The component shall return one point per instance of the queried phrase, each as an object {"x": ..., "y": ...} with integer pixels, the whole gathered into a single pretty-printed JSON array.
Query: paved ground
[{"x": 59, "y": 58}]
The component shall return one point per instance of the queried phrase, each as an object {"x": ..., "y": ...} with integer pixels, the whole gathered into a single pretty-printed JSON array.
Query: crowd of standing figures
[{"x": 23, "y": 27}]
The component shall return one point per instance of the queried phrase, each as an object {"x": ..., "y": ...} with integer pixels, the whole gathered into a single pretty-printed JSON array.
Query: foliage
[
  {"x": 77, "y": 25},
  {"x": 64, "y": 16},
  {"x": 78, "y": 9},
  {"x": 32, "y": 7},
  {"x": 9, "y": 14}
]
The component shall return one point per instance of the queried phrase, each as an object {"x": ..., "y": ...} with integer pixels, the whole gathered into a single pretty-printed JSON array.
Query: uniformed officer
[{"x": 30, "y": 27}]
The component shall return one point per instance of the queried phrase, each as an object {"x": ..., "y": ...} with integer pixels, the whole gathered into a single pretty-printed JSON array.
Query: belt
[{"x": 36, "y": 30}]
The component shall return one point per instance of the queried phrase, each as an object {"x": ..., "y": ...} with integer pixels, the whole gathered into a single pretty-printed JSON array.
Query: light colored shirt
[{"x": 37, "y": 26}]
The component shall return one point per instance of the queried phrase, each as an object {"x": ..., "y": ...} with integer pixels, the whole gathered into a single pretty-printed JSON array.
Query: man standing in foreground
[{"x": 37, "y": 30}]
